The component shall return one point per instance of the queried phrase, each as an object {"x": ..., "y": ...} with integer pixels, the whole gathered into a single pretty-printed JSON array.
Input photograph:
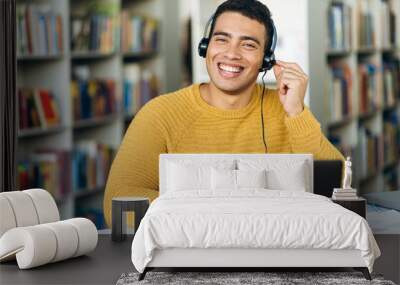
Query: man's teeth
[{"x": 229, "y": 68}]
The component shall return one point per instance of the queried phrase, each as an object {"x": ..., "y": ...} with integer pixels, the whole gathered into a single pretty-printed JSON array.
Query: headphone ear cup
[
  {"x": 202, "y": 48},
  {"x": 268, "y": 62}
]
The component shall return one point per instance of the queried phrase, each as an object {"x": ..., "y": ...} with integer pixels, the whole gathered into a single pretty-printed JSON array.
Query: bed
[{"x": 247, "y": 210}]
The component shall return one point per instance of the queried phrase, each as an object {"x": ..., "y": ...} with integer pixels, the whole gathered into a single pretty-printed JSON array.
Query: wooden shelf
[
  {"x": 94, "y": 122},
  {"x": 39, "y": 57},
  {"x": 91, "y": 55},
  {"x": 137, "y": 56},
  {"x": 40, "y": 131},
  {"x": 368, "y": 115},
  {"x": 390, "y": 166},
  {"x": 366, "y": 50},
  {"x": 338, "y": 53},
  {"x": 390, "y": 108},
  {"x": 338, "y": 124}
]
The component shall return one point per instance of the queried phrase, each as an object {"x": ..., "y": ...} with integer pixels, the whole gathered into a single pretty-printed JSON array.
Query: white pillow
[
  {"x": 237, "y": 179},
  {"x": 251, "y": 178},
  {"x": 293, "y": 180},
  {"x": 223, "y": 179},
  {"x": 185, "y": 174},
  {"x": 183, "y": 177},
  {"x": 281, "y": 174}
]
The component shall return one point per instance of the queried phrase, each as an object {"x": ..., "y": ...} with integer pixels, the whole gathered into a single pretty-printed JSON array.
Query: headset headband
[{"x": 274, "y": 33}]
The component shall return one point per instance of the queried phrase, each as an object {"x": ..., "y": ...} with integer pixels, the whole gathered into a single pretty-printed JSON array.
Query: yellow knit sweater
[{"x": 182, "y": 122}]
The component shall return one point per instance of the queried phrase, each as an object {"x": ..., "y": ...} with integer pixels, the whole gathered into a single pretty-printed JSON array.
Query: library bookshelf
[
  {"x": 84, "y": 68},
  {"x": 362, "y": 89}
]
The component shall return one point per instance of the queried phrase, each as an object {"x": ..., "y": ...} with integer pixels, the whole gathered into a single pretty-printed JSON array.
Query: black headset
[
  {"x": 268, "y": 62},
  {"x": 269, "y": 55}
]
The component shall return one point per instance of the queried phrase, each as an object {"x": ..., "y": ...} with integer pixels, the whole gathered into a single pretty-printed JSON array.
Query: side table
[
  {"x": 357, "y": 205},
  {"x": 121, "y": 205}
]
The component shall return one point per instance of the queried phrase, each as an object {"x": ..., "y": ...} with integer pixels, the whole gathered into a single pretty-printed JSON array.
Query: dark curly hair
[{"x": 252, "y": 9}]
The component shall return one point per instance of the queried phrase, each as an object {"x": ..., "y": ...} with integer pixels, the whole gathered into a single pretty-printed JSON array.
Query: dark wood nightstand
[{"x": 357, "y": 205}]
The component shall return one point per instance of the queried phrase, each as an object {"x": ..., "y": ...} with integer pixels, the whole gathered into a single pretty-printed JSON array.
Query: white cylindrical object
[
  {"x": 23, "y": 207},
  {"x": 87, "y": 235},
  {"x": 34, "y": 245},
  {"x": 45, "y": 205},
  {"x": 67, "y": 239},
  {"x": 7, "y": 218}
]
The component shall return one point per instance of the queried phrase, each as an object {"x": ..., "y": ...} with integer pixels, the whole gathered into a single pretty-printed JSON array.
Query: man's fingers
[
  {"x": 277, "y": 71},
  {"x": 289, "y": 65}
]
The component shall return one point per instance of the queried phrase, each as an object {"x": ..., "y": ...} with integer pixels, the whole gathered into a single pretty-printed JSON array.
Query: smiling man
[{"x": 223, "y": 115}]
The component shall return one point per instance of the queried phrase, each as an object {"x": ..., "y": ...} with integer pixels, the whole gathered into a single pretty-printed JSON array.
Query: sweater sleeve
[
  {"x": 134, "y": 171},
  {"x": 306, "y": 137}
]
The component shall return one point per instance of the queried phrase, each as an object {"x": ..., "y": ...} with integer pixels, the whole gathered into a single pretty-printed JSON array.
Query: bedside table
[{"x": 357, "y": 205}]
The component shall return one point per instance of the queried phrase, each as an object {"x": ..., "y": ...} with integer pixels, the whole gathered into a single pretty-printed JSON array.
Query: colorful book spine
[
  {"x": 48, "y": 169},
  {"x": 339, "y": 26},
  {"x": 38, "y": 108},
  {"x": 97, "y": 30},
  {"x": 90, "y": 165},
  {"x": 139, "y": 87},
  {"x": 39, "y": 30},
  {"x": 139, "y": 34},
  {"x": 93, "y": 98},
  {"x": 340, "y": 91}
]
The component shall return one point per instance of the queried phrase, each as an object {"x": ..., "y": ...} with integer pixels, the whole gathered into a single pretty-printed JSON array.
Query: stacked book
[
  {"x": 139, "y": 34},
  {"x": 344, "y": 194},
  {"x": 140, "y": 86},
  {"x": 340, "y": 91},
  {"x": 48, "y": 169},
  {"x": 38, "y": 108},
  {"x": 339, "y": 26},
  {"x": 39, "y": 30},
  {"x": 93, "y": 98}
]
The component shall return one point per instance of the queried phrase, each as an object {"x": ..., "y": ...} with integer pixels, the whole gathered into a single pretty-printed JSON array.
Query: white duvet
[{"x": 252, "y": 218}]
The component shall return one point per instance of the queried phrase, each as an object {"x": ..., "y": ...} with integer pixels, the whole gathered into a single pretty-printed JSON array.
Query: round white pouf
[
  {"x": 87, "y": 235},
  {"x": 23, "y": 208},
  {"x": 33, "y": 246},
  {"x": 67, "y": 239},
  {"x": 45, "y": 205},
  {"x": 7, "y": 218}
]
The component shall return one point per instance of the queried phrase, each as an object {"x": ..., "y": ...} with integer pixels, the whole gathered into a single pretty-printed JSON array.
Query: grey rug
[{"x": 229, "y": 278}]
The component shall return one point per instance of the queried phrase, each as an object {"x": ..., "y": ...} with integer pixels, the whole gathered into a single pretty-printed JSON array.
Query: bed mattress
[{"x": 250, "y": 219}]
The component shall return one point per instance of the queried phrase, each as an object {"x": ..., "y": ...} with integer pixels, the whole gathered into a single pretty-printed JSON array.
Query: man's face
[{"x": 235, "y": 52}]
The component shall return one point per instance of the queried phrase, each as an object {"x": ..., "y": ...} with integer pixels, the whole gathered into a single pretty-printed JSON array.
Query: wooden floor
[{"x": 389, "y": 262}]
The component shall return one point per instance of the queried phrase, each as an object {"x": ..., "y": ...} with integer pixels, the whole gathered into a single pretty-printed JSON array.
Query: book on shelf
[
  {"x": 93, "y": 98},
  {"x": 370, "y": 151},
  {"x": 391, "y": 81},
  {"x": 391, "y": 137},
  {"x": 369, "y": 97},
  {"x": 139, "y": 87},
  {"x": 337, "y": 197},
  {"x": 388, "y": 23},
  {"x": 91, "y": 162},
  {"x": 366, "y": 31},
  {"x": 340, "y": 91},
  {"x": 339, "y": 26},
  {"x": 345, "y": 192},
  {"x": 48, "y": 169},
  {"x": 38, "y": 108},
  {"x": 39, "y": 30},
  {"x": 95, "y": 27},
  {"x": 139, "y": 34}
]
